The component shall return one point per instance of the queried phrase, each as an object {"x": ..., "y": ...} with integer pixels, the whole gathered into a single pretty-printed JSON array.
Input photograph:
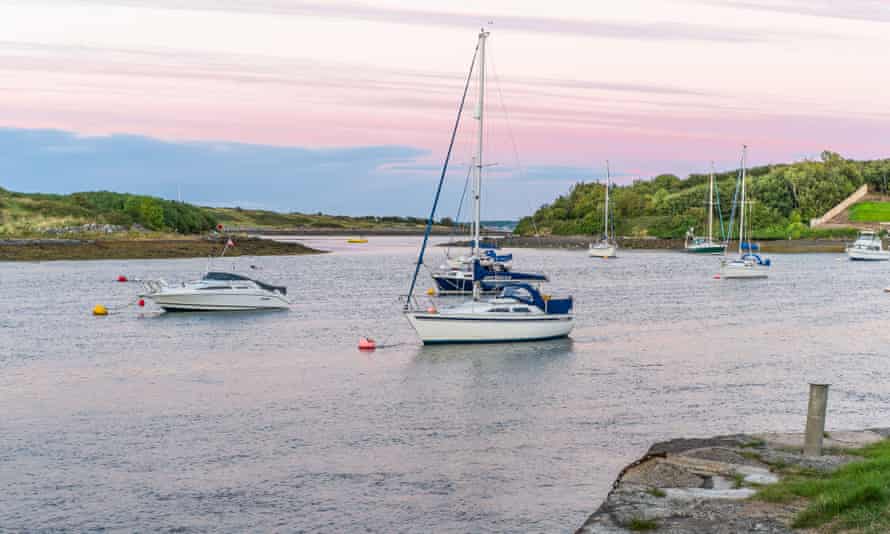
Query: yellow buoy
[
  {"x": 99, "y": 309},
  {"x": 431, "y": 292}
]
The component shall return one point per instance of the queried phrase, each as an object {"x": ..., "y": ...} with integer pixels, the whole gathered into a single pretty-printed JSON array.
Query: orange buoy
[
  {"x": 366, "y": 343},
  {"x": 121, "y": 278}
]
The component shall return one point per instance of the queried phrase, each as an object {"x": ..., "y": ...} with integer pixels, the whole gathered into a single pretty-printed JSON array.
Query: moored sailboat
[
  {"x": 607, "y": 246},
  {"x": 519, "y": 313},
  {"x": 748, "y": 264},
  {"x": 706, "y": 245}
]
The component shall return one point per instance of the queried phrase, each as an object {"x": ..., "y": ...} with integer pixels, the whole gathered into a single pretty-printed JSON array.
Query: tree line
[{"x": 784, "y": 197}]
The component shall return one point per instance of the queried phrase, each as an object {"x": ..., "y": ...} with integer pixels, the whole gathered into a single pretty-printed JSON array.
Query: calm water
[{"x": 274, "y": 421}]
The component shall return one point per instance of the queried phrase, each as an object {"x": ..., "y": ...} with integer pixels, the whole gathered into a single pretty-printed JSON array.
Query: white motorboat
[
  {"x": 216, "y": 291},
  {"x": 748, "y": 264},
  {"x": 607, "y": 247},
  {"x": 519, "y": 313},
  {"x": 868, "y": 247}
]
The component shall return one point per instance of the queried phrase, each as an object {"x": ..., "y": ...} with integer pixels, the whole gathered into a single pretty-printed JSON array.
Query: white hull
[
  {"x": 603, "y": 252},
  {"x": 746, "y": 270},
  {"x": 868, "y": 255},
  {"x": 208, "y": 300},
  {"x": 471, "y": 328}
]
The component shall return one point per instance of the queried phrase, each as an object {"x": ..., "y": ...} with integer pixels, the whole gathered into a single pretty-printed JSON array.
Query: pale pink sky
[{"x": 651, "y": 85}]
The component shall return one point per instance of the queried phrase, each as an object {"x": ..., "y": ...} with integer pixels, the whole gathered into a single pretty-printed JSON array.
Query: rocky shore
[
  {"x": 709, "y": 486},
  {"x": 123, "y": 249}
]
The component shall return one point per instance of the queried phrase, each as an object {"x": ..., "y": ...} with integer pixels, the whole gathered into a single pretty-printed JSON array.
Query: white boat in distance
[
  {"x": 607, "y": 246},
  {"x": 748, "y": 264},
  {"x": 868, "y": 247},
  {"x": 216, "y": 291}
]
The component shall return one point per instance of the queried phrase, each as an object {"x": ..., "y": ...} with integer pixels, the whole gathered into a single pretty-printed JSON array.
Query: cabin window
[
  {"x": 523, "y": 309},
  {"x": 499, "y": 310}
]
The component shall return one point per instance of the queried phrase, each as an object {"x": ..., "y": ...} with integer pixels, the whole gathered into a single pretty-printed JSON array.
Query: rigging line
[
  {"x": 497, "y": 80},
  {"x": 429, "y": 222},
  {"x": 460, "y": 206}
]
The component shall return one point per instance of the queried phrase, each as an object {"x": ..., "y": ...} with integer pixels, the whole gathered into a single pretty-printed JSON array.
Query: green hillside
[
  {"x": 38, "y": 214},
  {"x": 23, "y": 214},
  {"x": 785, "y": 197}
]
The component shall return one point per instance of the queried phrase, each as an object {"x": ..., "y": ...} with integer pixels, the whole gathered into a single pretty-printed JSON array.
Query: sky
[{"x": 347, "y": 107}]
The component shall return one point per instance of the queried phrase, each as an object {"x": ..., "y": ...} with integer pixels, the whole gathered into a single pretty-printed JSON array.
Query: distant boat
[
  {"x": 357, "y": 240},
  {"x": 748, "y": 264},
  {"x": 868, "y": 247},
  {"x": 705, "y": 245},
  {"x": 607, "y": 247},
  {"x": 520, "y": 312}
]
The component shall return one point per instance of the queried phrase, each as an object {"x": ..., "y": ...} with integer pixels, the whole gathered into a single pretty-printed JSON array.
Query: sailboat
[
  {"x": 748, "y": 264},
  {"x": 457, "y": 277},
  {"x": 706, "y": 245},
  {"x": 520, "y": 312},
  {"x": 607, "y": 246}
]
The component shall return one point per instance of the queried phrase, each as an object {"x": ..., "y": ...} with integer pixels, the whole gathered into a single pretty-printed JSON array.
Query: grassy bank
[
  {"x": 870, "y": 212},
  {"x": 855, "y": 497},
  {"x": 125, "y": 249}
]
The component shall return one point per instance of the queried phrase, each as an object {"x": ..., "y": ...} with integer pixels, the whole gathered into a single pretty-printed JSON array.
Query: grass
[
  {"x": 642, "y": 525},
  {"x": 856, "y": 496},
  {"x": 870, "y": 212},
  {"x": 656, "y": 492}
]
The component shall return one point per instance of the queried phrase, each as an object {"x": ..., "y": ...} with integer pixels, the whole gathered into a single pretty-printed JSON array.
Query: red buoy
[
  {"x": 121, "y": 278},
  {"x": 716, "y": 277},
  {"x": 366, "y": 343},
  {"x": 141, "y": 302}
]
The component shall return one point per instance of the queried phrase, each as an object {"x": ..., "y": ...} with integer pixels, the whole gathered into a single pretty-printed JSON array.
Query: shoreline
[
  {"x": 791, "y": 246},
  {"x": 12, "y": 250},
  {"x": 711, "y": 485}
]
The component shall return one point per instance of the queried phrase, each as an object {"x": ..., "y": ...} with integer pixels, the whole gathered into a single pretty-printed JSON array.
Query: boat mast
[
  {"x": 606, "y": 204},
  {"x": 743, "y": 203},
  {"x": 480, "y": 107},
  {"x": 711, "y": 207}
]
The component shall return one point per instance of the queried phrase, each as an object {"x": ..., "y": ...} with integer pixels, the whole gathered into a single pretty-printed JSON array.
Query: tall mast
[
  {"x": 480, "y": 108},
  {"x": 744, "y": 203},
  {"x": 711, "y": 207},
  {"x": 606, "y": 204}
]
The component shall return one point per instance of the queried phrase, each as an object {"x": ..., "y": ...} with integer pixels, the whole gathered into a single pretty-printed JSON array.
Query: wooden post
[{"x": 815, "y": 420}]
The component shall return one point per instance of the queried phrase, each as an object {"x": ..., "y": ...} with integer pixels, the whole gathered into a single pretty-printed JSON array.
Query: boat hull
[
  {"x": 211, "y": 301},
  {"x": 747, "y": 271},
  {"x": 709, "y": 249},
  {"x": 434, "y": 328},
  {"x": 463, "y": 284},
  {"x": 603, "y": 252},
  {"x": 868, "y": 255}
]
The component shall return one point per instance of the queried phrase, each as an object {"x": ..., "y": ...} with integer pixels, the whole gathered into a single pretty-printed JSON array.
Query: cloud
[
  {"x": 640, "y": 31},
  {"x": 861, "y": 10}
]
